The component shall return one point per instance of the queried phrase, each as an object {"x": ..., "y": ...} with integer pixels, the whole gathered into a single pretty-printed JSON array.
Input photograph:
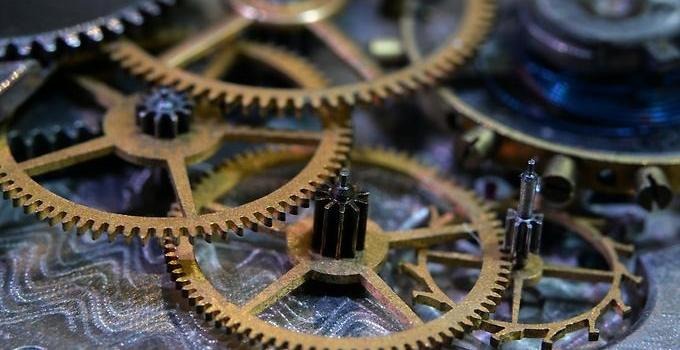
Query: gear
[
  {"x": 122, "y": 137},
  {"x": 41, "y": 141},
  {"x": 340, "y": 216},
  {"x": 536, "y": 268},
  {"x": 608, "y": 155},
  {"x": 166, "y": 69},
  {"x": 39, "y": 27},
  {"x": 456, "y": 318},
  {"x": 164, "y": 112}
]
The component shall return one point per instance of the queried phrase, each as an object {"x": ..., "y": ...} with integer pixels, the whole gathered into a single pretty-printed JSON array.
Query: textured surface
[{"x": 63, "y": 291}]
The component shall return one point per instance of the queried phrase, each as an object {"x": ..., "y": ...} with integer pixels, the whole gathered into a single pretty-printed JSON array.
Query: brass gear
[
  {"x": 122, "y": 137},
  {"x": 652, "y": 176},
  {"x": 456, "y": 318},
  {"x": 166, "y": 69},
  {"x": 536, "y": 268}
]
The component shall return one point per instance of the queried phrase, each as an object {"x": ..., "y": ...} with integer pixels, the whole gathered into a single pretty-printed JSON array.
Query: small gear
[
  {"x": 165, "y": 112},
  {"x": 312, "y": 15},
  {"x": 37, "y": 28},
  {"x": 456, "y": 318},
  {"x": 122, "y": 137}
]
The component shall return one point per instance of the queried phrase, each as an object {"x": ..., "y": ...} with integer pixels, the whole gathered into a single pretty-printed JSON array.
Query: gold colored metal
[
  {"x": 653, "y": 188},
  {"x": 515, "y": 147},
  {"x": 536, "y": 268},
  {"x": 208, "y": 131},
  {"x": 313, "y": 15},
  {"x": 476, "y": 144},
  {"x": 558, "y": 183},
  {"x": 456, "y": 318}
]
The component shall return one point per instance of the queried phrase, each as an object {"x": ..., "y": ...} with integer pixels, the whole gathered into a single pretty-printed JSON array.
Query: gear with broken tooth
[{"x": 476, "y": 220}]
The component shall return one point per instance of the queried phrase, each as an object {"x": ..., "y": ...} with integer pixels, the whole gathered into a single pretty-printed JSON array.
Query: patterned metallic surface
[{"x": 63, "y": 291}]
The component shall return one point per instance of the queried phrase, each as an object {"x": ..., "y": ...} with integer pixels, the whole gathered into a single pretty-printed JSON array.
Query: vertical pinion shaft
[
  {"x": 340, "y": 217},
  {"x": 523, "y": 227}
]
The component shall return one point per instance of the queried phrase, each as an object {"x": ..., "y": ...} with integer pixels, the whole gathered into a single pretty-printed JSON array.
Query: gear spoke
[
  {"x": 517, "y": 287},
  {"x": 247, "y": 134},
  {"x": 455, "y": 259},
  {"x": 198, "y": 45},
  {"x": 577, "y": 273},
  {"x": 424, "y": 237},
  {"x": 380, "y": 290},
  {"x": 221, "y": 63},
  {"x": 286, "y": 284},
  {"x": 346, "y": 49},
  {"x": 66, "y": 157},
  {"x": 105, "y": 95},
  {"x": 180, "y": 181}
]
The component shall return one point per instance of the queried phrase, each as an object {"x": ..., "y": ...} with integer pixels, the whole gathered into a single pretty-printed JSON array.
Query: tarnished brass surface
[
  {"x": 166, "y": 69},
  {"x": 457, "y": 317},
  {"x": 122, "y": 138}
]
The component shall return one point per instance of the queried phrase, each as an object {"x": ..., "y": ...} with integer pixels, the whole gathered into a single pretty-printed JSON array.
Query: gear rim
[
  {"x": 23, "y": 190},
  {"x": 92, "y": 30},
  {"x": 460, "y": 45},
  {"x": 480, "y": 299}
]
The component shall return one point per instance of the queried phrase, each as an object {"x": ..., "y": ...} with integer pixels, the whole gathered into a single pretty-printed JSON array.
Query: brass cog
[
  {"x": 122, "y": 138},
  {"x": 536, "y": 268},
  {"x": 167, "y": 68},
  {"x": 456, "y": 318}
]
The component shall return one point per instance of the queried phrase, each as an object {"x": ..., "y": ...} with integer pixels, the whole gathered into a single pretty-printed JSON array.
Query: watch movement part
[
  {"x": 122, "y": 137},
  {"x": 167, "y": 68},
  {"x": 457, "y": 317},
  {"x": 38, "y": 28}
]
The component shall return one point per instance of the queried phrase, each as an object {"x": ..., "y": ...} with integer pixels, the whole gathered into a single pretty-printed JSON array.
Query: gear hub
[
  {"x": 165, "y": 113},
  {"x": 340, "y": 218}
]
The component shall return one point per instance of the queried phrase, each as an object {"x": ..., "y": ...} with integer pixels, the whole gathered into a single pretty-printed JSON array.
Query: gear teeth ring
[
  {"x": 477, "y": 21},
  {"x": 94, "y": 30},
  {"x": 456, "y": 320},
  {"x": 121, "y": 135}
]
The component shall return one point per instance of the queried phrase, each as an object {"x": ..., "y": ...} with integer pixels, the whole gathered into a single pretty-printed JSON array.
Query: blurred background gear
[
  {"x": 39, "y": 28},
  {"x": 601, "y": 122},
  {"x": 327, "y": 21}
]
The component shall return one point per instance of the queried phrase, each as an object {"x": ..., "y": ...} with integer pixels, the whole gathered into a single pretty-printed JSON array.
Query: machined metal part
[
  {"x": 18, "y": 81},
  {"x": 456, "y": 318},
  {"x": 122, "y": 137},
  {"x": 596, "y": 158},
  {"x": 314, "y": 16},
  {"x": 39, "y": 28}
]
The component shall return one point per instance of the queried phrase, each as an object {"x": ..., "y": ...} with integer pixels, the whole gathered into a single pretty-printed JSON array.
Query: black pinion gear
[{"x": 165, "y": 112}]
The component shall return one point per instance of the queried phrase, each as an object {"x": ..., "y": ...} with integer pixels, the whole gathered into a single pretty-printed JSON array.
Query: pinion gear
[
  {"x": 39, "y": 27},
  {"x": 456, "y": 318},
  {"x": 122, "y": 137},
  {"x": 166, "y": 69}
]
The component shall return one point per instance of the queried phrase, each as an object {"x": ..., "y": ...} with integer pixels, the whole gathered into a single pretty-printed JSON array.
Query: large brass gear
[
  {"x": 312, "y": 14},
  {"x": 456, "y": 318},
  {"x": 122, "y": 137},
  {"x": 514, "y": 329}
]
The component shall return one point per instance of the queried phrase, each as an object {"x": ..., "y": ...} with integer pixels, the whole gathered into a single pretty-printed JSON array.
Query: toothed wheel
[
  {"x": 473, "y": 220},
  {"x": 316, "y": 17},
  {"x": 35, "y": 28},
  {"x": 122, "y": 137}
]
